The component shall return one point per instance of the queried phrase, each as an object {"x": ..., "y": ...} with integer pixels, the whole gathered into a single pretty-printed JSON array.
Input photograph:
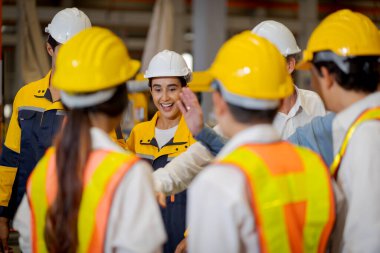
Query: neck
[
  {"x": 235, "y": 127},
  {"x": 103, "y": 122},
  {"x": 350, "y": 97},
  {"x": 164, "y": 123},
  {"x": 288, "y": 103}
]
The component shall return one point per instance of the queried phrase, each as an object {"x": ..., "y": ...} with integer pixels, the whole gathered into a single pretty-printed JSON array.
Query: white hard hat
[
  {"x": 67, "y": 23},
  {"x": 279, "y": 35},
  {"x": 168, "y": 63}
]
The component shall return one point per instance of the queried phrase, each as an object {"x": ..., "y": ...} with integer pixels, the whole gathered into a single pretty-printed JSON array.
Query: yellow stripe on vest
[
  {"x": 370, "y": 114},
  {"x": 92, "y": 195},
  {"x": 36, "y": 189},
  {"x": 299, "y": 194}
]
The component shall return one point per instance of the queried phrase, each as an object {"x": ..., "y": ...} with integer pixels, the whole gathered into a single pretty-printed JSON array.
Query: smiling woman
[{"x": 166, "y": 135}]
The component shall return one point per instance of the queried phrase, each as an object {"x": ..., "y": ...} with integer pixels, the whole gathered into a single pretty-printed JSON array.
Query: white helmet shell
[
  {"x": 67, "y": 23},
  {"x": 168, "y": 63},
  {"x": 279, "y": 35}
]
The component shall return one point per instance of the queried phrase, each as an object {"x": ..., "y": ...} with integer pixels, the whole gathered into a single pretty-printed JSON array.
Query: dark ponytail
[{"x": 73, "y": 147}]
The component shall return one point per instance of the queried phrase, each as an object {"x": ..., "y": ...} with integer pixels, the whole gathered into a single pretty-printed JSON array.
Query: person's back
[
  {"x": 343, "y": 56},
  {"x": 82, "y": 194},
  {"x": 261, "y": 194}
]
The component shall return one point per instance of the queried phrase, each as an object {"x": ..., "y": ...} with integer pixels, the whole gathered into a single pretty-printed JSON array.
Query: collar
[
  {"x": 299, "y": 104},
  {"x": 101, "y": 140},
  {"x": 43, "y": 88},
  {"x": 182, "y": 133},
  {"x": 345, "y": 118},
  {"x": 262, "y": 133}
]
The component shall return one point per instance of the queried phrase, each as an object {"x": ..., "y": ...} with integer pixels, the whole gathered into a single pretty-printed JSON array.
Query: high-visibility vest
[
  {"x": 290, "y": 195},
  {"x": 367, "y": 115},
  {"x": 103, "y": 173}
]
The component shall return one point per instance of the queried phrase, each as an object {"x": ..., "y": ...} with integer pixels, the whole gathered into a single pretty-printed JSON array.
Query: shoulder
[
  {"x": 220, "y": 179},
  {"x": 142, "y": 127},
  {"x": 27, "y": 92}
]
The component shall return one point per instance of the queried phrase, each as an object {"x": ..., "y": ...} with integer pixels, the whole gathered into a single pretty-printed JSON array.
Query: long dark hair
[{"x": 73, "y": 147}]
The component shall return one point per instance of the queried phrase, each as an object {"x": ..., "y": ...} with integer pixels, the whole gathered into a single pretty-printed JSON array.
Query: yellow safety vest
[
  {"x": 291, "y": 196},
  {"x": 103, "y": 174},
  {"x": 367, "y": 115}
]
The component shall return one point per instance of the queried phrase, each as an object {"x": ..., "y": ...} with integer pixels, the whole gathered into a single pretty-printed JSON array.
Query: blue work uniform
[
  {"x": 142, "y": 142},
  {"x": 35, "y": 120}
]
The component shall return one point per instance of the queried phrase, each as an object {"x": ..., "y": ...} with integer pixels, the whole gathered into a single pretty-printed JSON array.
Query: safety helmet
[
  {"x": 345, "y": 34},
  {"x": 279, "y": 35},
  {"x": 94, "y": 59},
  {"x": 251, "y": 72},
  {"x": 168, "y": 63},
  {"x": 67, "y": 23}
]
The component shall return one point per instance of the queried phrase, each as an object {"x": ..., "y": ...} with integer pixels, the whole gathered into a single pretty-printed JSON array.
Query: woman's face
[{"x": 165, "y": 93}]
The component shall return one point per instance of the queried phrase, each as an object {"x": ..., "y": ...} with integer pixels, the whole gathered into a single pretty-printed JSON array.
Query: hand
[
  {"x": 181, "y": 247},
  {"x": 4, "y": 235},
  {"x": 161, "y": 199},
  {"x": 191, "y": 110}
]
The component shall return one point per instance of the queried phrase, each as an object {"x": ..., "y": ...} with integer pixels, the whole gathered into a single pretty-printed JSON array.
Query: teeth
[{"x": 166, "y": 105}]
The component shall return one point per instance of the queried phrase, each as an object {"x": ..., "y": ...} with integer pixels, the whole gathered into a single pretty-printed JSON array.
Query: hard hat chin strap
[{"x": 73, "y": 101}]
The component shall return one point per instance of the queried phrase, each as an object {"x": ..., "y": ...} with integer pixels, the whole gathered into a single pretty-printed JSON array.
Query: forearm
[
  {"x": 211, "y": 140},
  {"x": 179, "y": 173}
]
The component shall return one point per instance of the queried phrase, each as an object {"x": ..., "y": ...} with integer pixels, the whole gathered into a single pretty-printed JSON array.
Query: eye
[
  {"x": 173, "y": 89},
  {"x": 156, "y": 89}
]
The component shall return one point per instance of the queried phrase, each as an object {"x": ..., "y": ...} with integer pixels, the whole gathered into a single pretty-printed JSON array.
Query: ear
[
  {"x": 328, "y": 78},
  {"x": 220, "y": 106},
  {"x": 291, "y": 64},
  {"x": 49, "y": 49}
]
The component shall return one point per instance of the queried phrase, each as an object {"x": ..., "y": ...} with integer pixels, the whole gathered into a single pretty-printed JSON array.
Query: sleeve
[
  {"x": 118, "y": 137},
  {"x": 211, "y": 140},
  {"x": 179, "y": 173},
  {"x": 9, "y": 160},
  {"x": 316, "y": 135},
  {"x": 219, "y": 215},
  {"x": 22, "y": 224},
  {"x": 359, "y": 178},
  {"x": 135, "y": 223}
]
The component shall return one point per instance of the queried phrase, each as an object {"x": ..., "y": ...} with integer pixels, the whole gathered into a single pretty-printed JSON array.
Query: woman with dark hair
[
  {"x": 166, "y": 135},
  {"x": 87, "y": 194}
]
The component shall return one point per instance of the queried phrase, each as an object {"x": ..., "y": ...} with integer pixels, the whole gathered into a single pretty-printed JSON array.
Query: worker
[
  {"x": 302, "y": 105},
  {"x": 342, "y": 55},
  {"x": 262, "y": 194},
  {"x": 36, "y": 117},
  {"x": 92, "y": 189},
  {"x": 166, "y": 135}
]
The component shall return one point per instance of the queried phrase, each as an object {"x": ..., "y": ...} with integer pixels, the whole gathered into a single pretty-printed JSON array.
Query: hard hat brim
[
  {"x": 303, "y": 65},
  {"x": 134, "y": 67}
]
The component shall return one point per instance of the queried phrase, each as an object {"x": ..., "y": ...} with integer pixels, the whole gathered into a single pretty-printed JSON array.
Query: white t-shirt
[{"x": 163, "y": 136}]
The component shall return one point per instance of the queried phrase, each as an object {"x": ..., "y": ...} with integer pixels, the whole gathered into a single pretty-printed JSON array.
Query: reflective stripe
[
  {"x": 36, "y": 191},
  {"x": 103, "y": 174},
  {"x": 7, "y": 178},
  {"x": 370, "y": 114},
  {"x": 292, "y": 198},
  {"x": 31, "y": 108}
]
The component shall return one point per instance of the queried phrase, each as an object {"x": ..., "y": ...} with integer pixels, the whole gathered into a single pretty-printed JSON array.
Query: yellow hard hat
[
  {"x": 93, "y": 60},
  {"x": 345, "y": 33},
  {"x": 251, "y": 72}
]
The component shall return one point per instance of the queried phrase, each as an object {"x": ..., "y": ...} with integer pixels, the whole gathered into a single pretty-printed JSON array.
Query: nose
[{"x": 165, "y": 95}]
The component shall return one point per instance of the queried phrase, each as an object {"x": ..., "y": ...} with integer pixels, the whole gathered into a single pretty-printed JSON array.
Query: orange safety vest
[
  {"x": 367, "y": 115},
  {"x": 291, "y": 196},
  {"x": 103, "y": 173}
]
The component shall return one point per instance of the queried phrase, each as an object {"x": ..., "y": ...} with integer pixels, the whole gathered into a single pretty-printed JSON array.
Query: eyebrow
[{"x": 169, "y": 85}]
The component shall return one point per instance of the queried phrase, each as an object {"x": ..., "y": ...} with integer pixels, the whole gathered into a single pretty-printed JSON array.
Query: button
[
  {"x": 176, "y": 149},
  {"x": 185, "y": 146},
  {"x": 140, "y": 141},
  {"x": 39, "y": 91}
]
